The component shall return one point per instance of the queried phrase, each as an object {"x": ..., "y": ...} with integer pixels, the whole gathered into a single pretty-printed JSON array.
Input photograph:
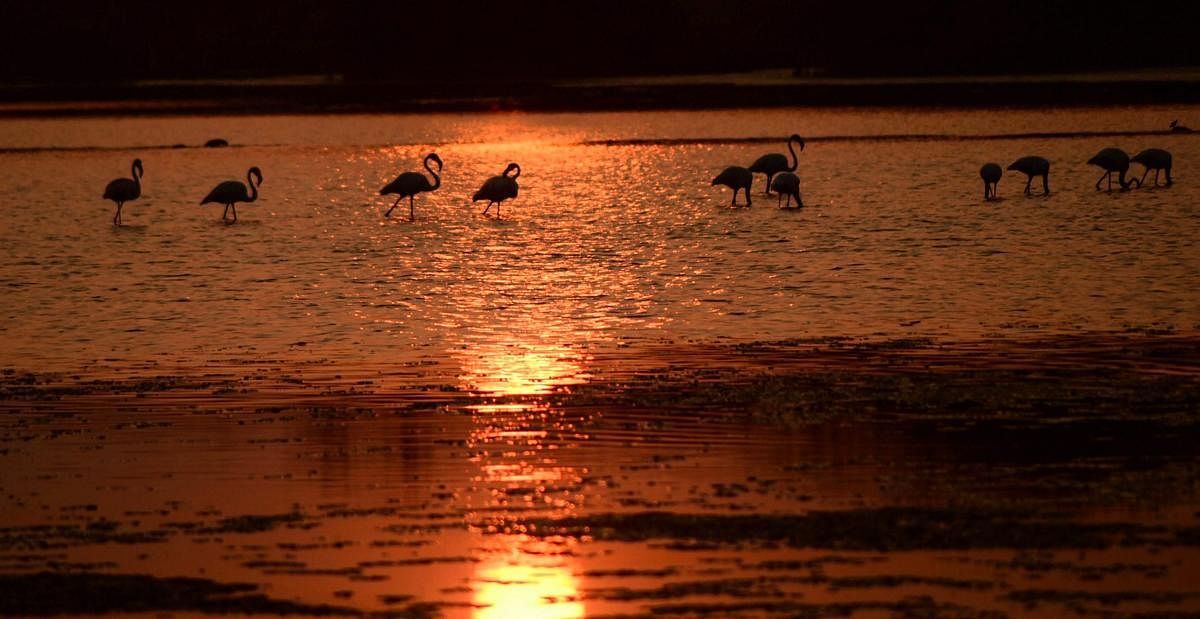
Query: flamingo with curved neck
[
  {"x": 774, "y": 163},
  {"x": 231, "y": 192},
  {"x": 409, "y": 184},
  {"x": 122, "y": 190}
]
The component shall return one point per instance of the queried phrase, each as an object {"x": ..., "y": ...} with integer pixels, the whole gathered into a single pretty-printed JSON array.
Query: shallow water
[
  {"x": 606, "y": 245},
  {"x": 570, "y": 411}
]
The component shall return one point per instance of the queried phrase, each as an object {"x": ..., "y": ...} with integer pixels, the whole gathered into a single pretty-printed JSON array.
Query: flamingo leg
[
  {"x": 117, "y": 216},
  {"x": 1028, "y": 183},
  {"x": 234, "y": 209},
  {"x": 799, "y": 202},
  {"x": 1046, "y": 184},
  {"x": 412, "y": 214},
  {"x": 389, "y": 211},
  {"x": 489, "y": 207},
  {"x": 1169, "y": 181},
  {"x": 1156, "y": 177},
  {"x": 1100, "y": 180},
  {"x": 1143, "y": 179},
  {"x": 768, "y": 188}
]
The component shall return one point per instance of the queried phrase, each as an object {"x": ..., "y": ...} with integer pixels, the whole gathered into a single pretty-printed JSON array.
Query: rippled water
[{"x": 605, "y": 245}]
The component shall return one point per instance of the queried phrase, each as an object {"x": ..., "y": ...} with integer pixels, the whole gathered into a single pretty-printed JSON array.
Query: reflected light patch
[
  {"x": 507, "y": 590},
  {"x": 527, "y": 369}
]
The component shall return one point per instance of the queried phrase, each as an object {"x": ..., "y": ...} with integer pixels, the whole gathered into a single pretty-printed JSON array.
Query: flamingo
[
  {"x": 229, "y": 192},
  {"x": 1112, "y": 160},
  {"x": 498, "y": 189},
  {"x": 736, "y": 177},
  {"x": 1154, "y": 159},
  {"x": 1178, "y": 128},
  {"x": 788, "y": 184},
  {"x": 774, "y": 163},
  {"x": 122, "y": 190},
  {"x": 1032, "y": 166},
  {"x": 412, "y": 183},
  {"x": 990, "y": 173}
]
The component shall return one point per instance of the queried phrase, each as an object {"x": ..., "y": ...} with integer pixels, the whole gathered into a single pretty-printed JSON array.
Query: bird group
[
  {"x": 780, "y": 175},
  {"x": 1111, "y": 160},
  {"x": 780, "y": 172},
  {"x": 495, "y": 190}
]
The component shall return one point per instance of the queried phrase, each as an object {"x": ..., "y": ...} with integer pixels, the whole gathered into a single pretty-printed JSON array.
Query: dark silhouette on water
[
  {"x": 1178, "y": 128},
  {"x": 735, "y": 177},
  {"x": 122, "y": 190},
  {"x": 230, "y": 192},
  {"x": 1154, "y": 159},
  {"x": 1032, "y": 166},
  {"x": 787, "y": 184},
  {"x": 216, "y": 143},
  {"x": 499, "y": 188},
  {"x": 1112, "y": 160},
  {"x": 409, "y": 184},
  {"x": 774, "y": 163},
  {"x": 990, "y": 173}
]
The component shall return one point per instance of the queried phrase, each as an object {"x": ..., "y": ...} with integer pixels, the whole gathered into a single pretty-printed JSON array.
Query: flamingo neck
[
  {"x": 137, "y": 177},
  {"x": 518, "y": 171},
  {"x": 437, "y": 180},
  {"x": 253, "y": 188},
  {"x": 795, "y": 159}
]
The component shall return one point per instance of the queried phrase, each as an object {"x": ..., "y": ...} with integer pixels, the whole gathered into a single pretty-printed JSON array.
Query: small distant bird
[
  {"x": 410, "y": 184},
  {"x": 499, "y": 188},
  {"x": 229, "y": 192},
  {"x": 1033, "y": 166},
  {"x": 216, "y": 143},
  {"x": 774, "y": 163},
  {"x": 1178, "y": 128},
  {"x": 990, "y": 173},
  {"x": 122, "y": 190},
  {"x": 736, "y": 177},
  {"x": 1154, "y": 159},
  {"x": 1112, "y": 160},
  {"x": 787, "y": 184}
]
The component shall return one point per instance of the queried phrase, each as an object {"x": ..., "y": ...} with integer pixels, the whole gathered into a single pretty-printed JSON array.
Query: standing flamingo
[
  {"x": 774, "y": 163},
  {"x": 787, "y": 184},
  {"x": 1154, "y": 159},
  {"x": 122, "y": 190},
  {"x": 1112, "y": 160},
  {"x": 498, "y": 189},
  {"x": 1032, "y": 166},
  {"x": 990, "y": 173},
  {"x": 735, "y": 177},
  {"x": 412, "y": 183},
  {"x": 229, "y": 192}
]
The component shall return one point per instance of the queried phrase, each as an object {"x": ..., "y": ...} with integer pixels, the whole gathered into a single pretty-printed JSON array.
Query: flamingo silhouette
[
  {"x": 787, "y": 184},
  {"x": 498, "y": 189},
  {"x": 735, "y": 177},
  {"x": 412, "y": 183},
  {"x": 1032, "y": 166},
  {"x": 990, "y": 173},
  {"x": 1112, "y": 160},
  {"x": 1178, "y": 128},
  {"x": 229, "y": 192},
  {"x": 774, "y": 163},
  {"x": 122, "y": 190},
  {"x": 1154, "y": 159}
]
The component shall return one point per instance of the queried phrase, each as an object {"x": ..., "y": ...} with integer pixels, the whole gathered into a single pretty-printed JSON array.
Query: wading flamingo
[
  {"x": 736, "y": 177},
  {"x": 122, "y": 190},
  {"x": 1154, "y": 159},
  {"x": 499, "y": 188},
  {"x": 990, "y": 173},
  {"x": 229, "y": 192},
  {"x": 774, "y": 163},
  {"x": 410, "y": 184},
  {"x": 787, "y": 184},
  {"x": 1112, "y": 160},
  {"x": 1033, "y": 166}
]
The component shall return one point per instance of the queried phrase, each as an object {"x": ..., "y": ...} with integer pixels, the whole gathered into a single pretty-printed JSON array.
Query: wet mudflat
[{"x": 825, "y": 477}]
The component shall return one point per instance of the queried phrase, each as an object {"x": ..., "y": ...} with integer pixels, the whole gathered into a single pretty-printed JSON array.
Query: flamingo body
[
  {"x": 787, "y": 184},
  {"x": 409, "y": 184},
  {"x": 774, "y": 163},
  {"x": 122, "y": 190},
  {"x": 990, "y": 173},
  {"x": 1032, "y": 166},
  {"x": 231, "y": 192},
  {"x": 736, "y": 178},
  {"x": 499, "y": 188},
  {"x": 1112, "y": 160},
  {"x": 1155, "y": 159}
]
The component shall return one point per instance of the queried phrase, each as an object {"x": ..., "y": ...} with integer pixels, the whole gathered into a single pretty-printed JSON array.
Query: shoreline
[{"x": 176, "y": 99}]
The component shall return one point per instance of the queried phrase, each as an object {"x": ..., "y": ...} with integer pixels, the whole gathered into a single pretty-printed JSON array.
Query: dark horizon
[{"x": 540, "y": 40}]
